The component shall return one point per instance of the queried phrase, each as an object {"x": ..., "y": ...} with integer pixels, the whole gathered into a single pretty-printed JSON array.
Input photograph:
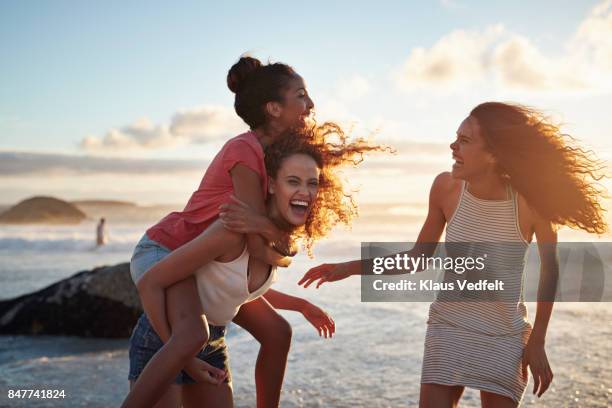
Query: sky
[{"x": 128, "y": 100}]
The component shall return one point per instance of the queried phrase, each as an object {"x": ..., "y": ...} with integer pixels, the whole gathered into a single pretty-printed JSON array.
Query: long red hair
[{"x": 557, "y": 177}]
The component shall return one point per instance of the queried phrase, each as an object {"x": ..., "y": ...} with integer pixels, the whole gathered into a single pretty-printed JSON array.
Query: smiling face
[
  {"x": 472, "y": 159},
  {"x": 296, "y": 105},
  {"x": 294, "y": 189}
]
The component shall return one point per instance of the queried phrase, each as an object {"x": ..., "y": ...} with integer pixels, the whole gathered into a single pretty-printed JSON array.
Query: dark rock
[{"x": 102, "y": 302}]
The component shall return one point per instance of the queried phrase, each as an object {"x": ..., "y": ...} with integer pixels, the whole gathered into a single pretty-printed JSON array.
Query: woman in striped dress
[{"x": 515, "y": 176}]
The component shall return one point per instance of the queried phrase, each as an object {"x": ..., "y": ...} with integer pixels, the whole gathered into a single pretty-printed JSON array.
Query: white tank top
[{"x": 223, "y": 287}]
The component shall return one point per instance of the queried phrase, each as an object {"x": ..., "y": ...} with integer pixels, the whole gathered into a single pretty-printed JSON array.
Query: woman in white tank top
[
  {"x": 514, "y": 176},
  {"x": 306, "y": 199}
]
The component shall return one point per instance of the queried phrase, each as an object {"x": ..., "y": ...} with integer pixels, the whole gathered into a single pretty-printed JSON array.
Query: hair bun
[{"x": 240, "y": 71}]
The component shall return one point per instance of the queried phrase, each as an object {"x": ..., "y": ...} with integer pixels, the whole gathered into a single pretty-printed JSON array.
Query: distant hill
[
  {"x": 45, "y": 210},
  {"x": 49, "y": 210}
]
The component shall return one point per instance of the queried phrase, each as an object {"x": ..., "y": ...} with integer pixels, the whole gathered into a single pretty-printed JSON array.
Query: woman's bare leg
[
  {"x": 492, "y": 400},
  {"x": 171, "y": 399},
  {"x": 273, "y": 333},
  {"x": 440, "y": 396},
  {"x": 207, "y": 395},
  {"x": 189, "y": 335}
]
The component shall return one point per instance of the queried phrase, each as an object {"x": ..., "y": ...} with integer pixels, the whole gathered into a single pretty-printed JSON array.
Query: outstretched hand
[
  {"x": 325, "y": 273},
  {"x": 321, "y": 321}
]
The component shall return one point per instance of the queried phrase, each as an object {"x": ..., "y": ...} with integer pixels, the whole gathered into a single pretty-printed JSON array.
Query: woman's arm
[
  {"x": 247, "y": 188},
  {"x": 535, "y": 353},
  {"x": 280, "y": 300},
  {"x": 426, "y": 244},
  {"x": 179, "y": 265},
  {"x": 321, "y": 321},
  {"x": 238, "y": 217}
]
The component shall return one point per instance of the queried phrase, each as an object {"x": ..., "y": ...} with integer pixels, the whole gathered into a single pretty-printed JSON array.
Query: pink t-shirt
[{"x": 180, "y": 227}]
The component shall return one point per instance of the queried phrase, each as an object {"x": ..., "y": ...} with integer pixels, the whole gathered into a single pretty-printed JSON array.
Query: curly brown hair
[
  {"x": 331, "y": 149},
  {"x": 557, "y": 177}
]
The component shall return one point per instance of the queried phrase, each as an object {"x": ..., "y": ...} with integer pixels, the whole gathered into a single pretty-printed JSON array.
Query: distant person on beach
[
  {"x": 515, "y": 176},
  {"x": 101, "y": 233},
  {"x": 306, "y": 199}
]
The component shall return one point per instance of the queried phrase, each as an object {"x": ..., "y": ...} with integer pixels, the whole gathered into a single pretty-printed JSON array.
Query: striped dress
[{"x": 473, "y": 340}]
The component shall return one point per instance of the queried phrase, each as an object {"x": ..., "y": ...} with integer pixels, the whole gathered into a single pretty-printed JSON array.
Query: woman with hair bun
[
  {"x": 515, "y": 177},
  {"x": 271, "y": 99}
]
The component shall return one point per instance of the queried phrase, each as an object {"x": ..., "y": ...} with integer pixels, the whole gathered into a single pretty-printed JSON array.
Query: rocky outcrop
[
  {"x": 102, "y": 302},
  {"x": 46, "y": 210}
]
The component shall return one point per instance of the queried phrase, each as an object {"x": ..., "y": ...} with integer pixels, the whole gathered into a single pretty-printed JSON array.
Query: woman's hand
[
  {"x": 325, "y": 273},
  {"x": 534, "y": 356},
  {"x": 319, "y": 319},
  {"x": 237, "y": 216},
  {"x": 286, "y": 246},
  {"x": 201, "y": 371}
]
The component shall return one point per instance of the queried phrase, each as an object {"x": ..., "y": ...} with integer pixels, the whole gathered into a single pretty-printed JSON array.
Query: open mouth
[
  {"x": 299, "y": 207},
  {"x": 458, "y": 161}
]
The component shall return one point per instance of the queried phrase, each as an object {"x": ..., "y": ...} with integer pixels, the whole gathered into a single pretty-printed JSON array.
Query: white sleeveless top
[{"x": 223, "y": 287}]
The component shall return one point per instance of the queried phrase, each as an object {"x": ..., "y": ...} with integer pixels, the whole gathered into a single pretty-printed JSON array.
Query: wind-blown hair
[{"x": 556, "y": 176}]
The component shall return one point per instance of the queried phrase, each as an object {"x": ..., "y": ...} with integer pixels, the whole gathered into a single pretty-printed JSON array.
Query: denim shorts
[
  {"x": 145, "y": 342},
  {"x": 146, "y": 254}
]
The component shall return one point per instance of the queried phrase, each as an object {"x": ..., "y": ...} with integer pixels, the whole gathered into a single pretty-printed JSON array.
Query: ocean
[{"x": 374, "y": 360}]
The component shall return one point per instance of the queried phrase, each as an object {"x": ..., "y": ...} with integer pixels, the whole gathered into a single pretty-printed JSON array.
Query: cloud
[
  {"x": 141, "y": 134},
  {"x": 459, "y": 57},
  {"x": 199, "y": 124},
  {"x": 206, "y": 123},
  {"x": 462, "y": 59},
  {"x": 593, "y": 40},
  {"x": 521, "y": 65},
  {"x": 28, "y": 164}
]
